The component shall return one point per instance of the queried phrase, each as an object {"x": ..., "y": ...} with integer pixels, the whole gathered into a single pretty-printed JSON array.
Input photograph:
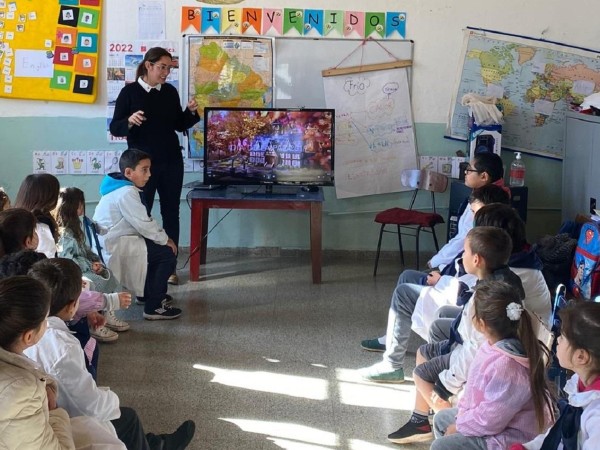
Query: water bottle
[{"x": 517, "y": 171}]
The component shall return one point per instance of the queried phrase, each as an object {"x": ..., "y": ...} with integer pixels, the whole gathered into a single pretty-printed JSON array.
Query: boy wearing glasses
[
  {"x": 485, "y": 168},
  {"x": 148, "y": 112}
]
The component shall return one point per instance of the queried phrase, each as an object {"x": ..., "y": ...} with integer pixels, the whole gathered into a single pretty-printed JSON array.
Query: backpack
[{"x": 585, "y": 271}]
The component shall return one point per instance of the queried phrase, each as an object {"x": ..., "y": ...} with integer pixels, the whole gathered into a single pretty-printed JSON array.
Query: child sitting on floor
[
  {"x": 61, "y": 356},
  {"x": 38, "y": 193},
  {"x": 578, "y": 426},
  {"x": 506, "y": 392},
  {"x": 72, "y": 245}
]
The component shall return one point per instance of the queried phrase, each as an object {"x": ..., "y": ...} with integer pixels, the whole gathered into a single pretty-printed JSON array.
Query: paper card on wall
[
  {"x": 77, "y": 163},
  {"x": 83, "y": 85},
  {"x": 395, "y": 25},
  {"x": 42, "y": 162},
  {"x": 87, "y": 42},
  {"x": 88, "y": 18},
  {"x": 313, "y": 22},
  {"x": 69, "y": 2},
  {"x": 12, "y": 6},
  {"x": 354, "y": 24},
  {"x": 111, "y": 161},
  {"x": 211, "y": 20},
  {"x": 68, "y": 16},
  {"x": 89, "y": 2},
  {"x": 456, "y": 161},
  {"x": 197, "y": 165},
  {"x": 32, "y": 64},
  {"x": 85, "y": 64},
  {"x": 444, "y": 165},
  {"x": 251, "y": 21},
  {"x": 428, "y": 163},
  {"x": 188, "y": 165},
  {"x": 293, "y": 22},
  {"x": 63, "y": 56},
  {"x": 60, "y": 163},
  {"x": 151, "y": 19},
  {"x": 61, "y": 79},
  {"x": 375, "y": 25},
  {"x": 190, "y": 19},
  {"x": 334, "y": 23},
  {"x": 231, "y": 20},
  {"x": 66, "y": 37},
  {"x": 95, "y": 163},
  {"x": 272, "y": 22}
]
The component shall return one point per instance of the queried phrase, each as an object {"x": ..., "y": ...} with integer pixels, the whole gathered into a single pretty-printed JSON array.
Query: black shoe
[
  {"x": 411, "y": 432},
  {"x": 181, "y": 438},
  {"x": 163, "y": 312}
]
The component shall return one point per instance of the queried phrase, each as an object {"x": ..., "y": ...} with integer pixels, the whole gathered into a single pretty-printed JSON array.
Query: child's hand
[
  {"x": 51, "y": 394},
  {"x": 172, "y": 245},
  {"x": 433, "y": 278},
  {"x": 451, "y": 429},
  {"x": 97, "y": 267},
  {"x": 124, "y": 299},
  {"x": 439, "y": 403},
  {"x": 95, "y": 320}
]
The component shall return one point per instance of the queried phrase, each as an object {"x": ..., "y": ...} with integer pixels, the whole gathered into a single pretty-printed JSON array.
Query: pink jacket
[{"x": 497, "y": 402}]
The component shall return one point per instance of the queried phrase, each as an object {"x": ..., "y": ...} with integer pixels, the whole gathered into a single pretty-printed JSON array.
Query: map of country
[
  {"x": 228, "y": 72},
  {"x": 535, "y": 83}
]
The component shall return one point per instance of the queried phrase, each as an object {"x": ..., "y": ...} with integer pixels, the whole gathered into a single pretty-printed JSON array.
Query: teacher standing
[{"x": 148, "y": 112}]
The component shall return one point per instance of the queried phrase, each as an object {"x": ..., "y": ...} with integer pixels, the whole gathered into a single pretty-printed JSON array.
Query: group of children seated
[
  {"x": 57, "y": 297},
  {"x": 482, "y": 310}
]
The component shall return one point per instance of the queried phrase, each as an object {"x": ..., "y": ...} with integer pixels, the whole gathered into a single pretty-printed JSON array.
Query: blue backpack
[{"x": 585, "y": 271}]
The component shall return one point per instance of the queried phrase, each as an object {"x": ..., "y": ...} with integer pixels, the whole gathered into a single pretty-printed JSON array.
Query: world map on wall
[
  {"x": 535, "y": 83},
  {"x": 228, "y": 72}
]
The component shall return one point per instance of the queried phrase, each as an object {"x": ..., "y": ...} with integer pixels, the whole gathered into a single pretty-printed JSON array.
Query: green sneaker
[
  {"x": 372, "y": 345},
  {"x": 381, "y": 375}
]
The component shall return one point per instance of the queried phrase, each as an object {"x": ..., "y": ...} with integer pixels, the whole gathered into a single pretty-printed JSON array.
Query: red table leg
[{"x": 315, "y": 241}]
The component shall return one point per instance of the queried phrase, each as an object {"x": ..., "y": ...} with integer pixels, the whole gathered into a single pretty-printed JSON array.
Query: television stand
[{"x": 203, "y": 201}]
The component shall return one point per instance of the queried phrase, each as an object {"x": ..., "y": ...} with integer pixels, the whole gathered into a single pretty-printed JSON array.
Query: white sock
[{"x": 381, "y": 340}]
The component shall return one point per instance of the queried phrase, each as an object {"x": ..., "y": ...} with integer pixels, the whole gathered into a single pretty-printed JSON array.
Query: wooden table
[{"x": 202, "y": 201}]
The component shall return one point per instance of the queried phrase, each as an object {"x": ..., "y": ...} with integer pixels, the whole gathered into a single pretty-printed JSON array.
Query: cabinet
[{"x": 581, "y": 164}]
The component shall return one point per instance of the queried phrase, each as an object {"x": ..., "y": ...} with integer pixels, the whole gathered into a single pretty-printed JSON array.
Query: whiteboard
[{"x": 299, "y": 62}]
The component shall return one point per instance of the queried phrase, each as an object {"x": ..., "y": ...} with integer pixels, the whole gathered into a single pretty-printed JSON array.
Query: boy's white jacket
[
  {"x": 589, "y": 430},
  {"x": 61, "y": 356},
  {"x": 537, "y": 300},
  {"x": 123, "y": 217}
]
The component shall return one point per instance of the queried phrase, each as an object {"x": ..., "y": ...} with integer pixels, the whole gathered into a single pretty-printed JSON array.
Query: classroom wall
[{"x": 435, "y": 26}]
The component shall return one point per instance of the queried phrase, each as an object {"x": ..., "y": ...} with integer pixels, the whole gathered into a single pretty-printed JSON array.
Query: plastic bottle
[{"x": 517, "y": 171}]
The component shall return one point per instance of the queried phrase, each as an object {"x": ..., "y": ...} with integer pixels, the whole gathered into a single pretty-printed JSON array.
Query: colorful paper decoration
[
  {"x": 49, "y": 49},
  {"x": 293, "y": 22}
]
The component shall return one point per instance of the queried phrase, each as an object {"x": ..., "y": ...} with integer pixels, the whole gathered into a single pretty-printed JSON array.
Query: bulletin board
[{"x": 49, "y": 49}]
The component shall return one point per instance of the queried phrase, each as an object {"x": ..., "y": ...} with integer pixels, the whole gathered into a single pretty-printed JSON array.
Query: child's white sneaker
[
  {"x": 103, "y": 334},
  {"x": 114, "y": 323}
]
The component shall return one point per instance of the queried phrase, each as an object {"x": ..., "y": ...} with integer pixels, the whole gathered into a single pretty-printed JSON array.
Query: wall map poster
[
  {"x": 229, "y": 72},
  {"x": 535, "y": 82},
  {"x": 49, "y": 49}
]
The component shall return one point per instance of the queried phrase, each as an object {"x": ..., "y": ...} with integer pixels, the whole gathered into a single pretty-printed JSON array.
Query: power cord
[{"x": 197, "y": 249}]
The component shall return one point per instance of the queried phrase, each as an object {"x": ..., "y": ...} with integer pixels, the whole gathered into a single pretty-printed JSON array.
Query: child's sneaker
[
  {"x": 412, "y": 431},
  {"x": 114, "y": 323},
  {"x": 103, "y": 334},
  {"x": 163, "y": 312}
]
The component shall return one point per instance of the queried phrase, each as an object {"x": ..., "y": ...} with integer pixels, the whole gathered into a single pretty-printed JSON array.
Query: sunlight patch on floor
[
  {"x": 357, "y": 444},
  {"x": 355, "y": 391},
  {"x": 294, "y": 436},
  {"x": 291, "y": 385}
]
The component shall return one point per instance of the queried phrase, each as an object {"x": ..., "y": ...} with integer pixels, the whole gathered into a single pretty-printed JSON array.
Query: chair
[{"x": 410, "y": 219}]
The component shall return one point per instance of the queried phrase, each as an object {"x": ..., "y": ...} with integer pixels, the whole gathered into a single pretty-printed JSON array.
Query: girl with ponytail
[{"x": 507, "y": 398}]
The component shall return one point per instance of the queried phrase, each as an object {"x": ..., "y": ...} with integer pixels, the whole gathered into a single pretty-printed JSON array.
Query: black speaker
[{"x": 484, "y": 143}]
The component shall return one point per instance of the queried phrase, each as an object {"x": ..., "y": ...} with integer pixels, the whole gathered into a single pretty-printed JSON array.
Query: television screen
[{"x": 268, "y": 146}]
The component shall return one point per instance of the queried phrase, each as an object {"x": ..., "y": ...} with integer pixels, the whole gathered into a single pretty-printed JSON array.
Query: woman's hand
[
  {"x": 192, "y": 105},
  {"x": 137, "y": 118}
]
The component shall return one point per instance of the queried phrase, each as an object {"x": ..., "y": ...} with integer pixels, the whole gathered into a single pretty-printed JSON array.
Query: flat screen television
[{"x": 269, "y": 146}]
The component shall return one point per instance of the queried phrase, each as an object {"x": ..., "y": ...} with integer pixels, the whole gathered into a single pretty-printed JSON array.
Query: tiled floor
[{"x": 263, "y": 359}]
